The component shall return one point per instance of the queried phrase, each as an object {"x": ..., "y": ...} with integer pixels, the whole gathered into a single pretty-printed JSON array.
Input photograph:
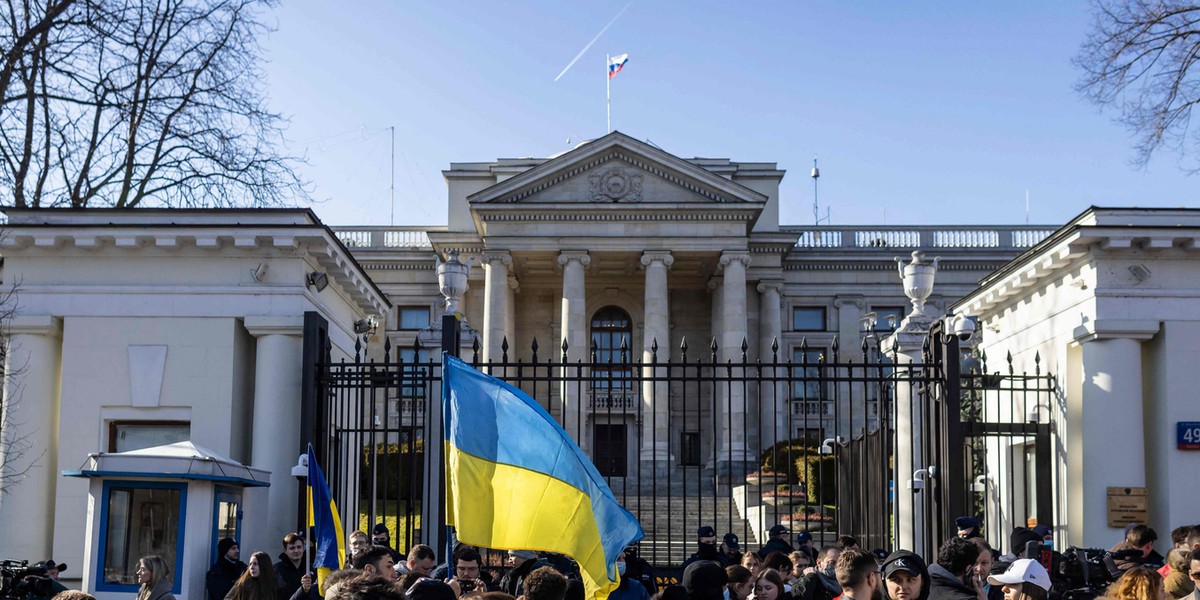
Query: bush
[
  {"x": 819, "y": 474},
  {"x": 401, "y": 468},
  {"x": 782, "y": 457}
]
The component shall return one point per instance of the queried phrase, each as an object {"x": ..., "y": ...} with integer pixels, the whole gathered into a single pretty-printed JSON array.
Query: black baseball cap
[
  {"x": 777, "y": 530},
  {"x": 706, "y": 531},
  {"x": 731, "y": 541}
]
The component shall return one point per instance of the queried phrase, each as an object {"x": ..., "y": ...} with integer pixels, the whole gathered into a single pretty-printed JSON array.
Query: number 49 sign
[{"x": 1187, "y": 435}]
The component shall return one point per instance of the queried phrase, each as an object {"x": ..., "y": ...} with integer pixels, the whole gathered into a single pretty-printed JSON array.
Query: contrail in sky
[{"x": 589, "y": 44}]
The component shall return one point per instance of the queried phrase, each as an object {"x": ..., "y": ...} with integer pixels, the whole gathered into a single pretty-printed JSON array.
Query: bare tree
[
  {"x": 1141, "y": 57},
  {"x": 16, "y": 443},
  {"x": 126, "y": 103}
]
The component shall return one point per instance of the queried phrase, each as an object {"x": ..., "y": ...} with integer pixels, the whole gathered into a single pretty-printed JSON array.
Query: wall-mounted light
[
  {"x": 367, "y": 325},
  {"x": 260, "y": 272},
  {"x": 980, "y": 484},
  {"x": 1140, "y": 272},
  {"x": 318, "y": 280}
]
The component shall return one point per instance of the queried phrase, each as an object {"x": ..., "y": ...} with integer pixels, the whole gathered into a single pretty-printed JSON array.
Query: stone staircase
[{"x": 670, "y": 523}]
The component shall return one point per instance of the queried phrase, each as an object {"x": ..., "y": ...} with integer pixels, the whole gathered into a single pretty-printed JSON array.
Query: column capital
[
  {"x": 581, "y": 256},
  {"x": 1109, "y": 329},
  {"x": 501, "y": 256},
  {"x": 46, "y": 325},
  {"x": 768, "y": 285},
  {"x": 259, "y": 326},
  {"x": 513, "y": 284},
  {"x": 662, "y": 256},
  {"x": 729, "y": 256},
  {"x": 715, "y": 283}
]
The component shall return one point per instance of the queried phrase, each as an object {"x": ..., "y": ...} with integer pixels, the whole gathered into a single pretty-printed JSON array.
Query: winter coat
[
  {"x": 161, "y": 591},
  {"x": 816, "y": 586},
  {"x": 707, "y": 553},
  {"x": 221, "y": 577},
  {"x": 513, "y": 582},
  {"x": 629, "y": 590},
  {"x": 289, "y": 575},
  {"x": 775, "y": 545},
  {"x": 944, "y": 585}
]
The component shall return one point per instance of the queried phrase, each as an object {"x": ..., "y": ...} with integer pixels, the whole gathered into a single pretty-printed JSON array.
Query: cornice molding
[{"x": 1114, "y": 329}]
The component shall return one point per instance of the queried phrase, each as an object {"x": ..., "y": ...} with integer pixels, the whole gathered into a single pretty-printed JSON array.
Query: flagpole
[{"x": 608, "y": 89}]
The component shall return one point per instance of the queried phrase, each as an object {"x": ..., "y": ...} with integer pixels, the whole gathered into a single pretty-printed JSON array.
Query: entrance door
[{"x": 609, "y": 450}]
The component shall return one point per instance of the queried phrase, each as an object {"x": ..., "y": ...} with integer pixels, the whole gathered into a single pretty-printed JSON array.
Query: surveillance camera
[{"x": 964, "y": 328}]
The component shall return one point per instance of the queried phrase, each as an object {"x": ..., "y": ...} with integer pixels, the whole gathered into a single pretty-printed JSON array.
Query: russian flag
[{"x": 616, "y": 63}]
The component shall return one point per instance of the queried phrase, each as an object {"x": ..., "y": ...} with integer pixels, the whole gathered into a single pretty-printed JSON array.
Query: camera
[
  {"x": 1084, "y": 573},
  {"x": 964, "y": 327},
  {"x": 18, "y": 580}
]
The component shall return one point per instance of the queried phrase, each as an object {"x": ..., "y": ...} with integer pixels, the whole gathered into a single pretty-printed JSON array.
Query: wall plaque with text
[{"x": 1127, "y": 505}]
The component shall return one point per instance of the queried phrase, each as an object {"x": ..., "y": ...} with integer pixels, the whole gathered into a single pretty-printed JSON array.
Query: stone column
[
  {"x": 510, "y": 316},
  {"x": 275, "y": 440},
  {"x": 733, "y": 333},
  {"x": 656, "y": 430},
  {"x": 29, "y": 436},
  {"x": 1109, "y": 415},
  {"x": 716, "y": 287},
  {"x": 772, "y": 406},
  {"x": 495, "y": 302},
  {"x": 849, "y": 330},
  {"x": 573, "y": 321}
]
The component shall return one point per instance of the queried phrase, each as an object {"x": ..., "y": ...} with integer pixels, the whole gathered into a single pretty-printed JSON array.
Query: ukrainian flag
[
  {"x": 324, "y": 520},
  {"x": 516, "y": 481}
]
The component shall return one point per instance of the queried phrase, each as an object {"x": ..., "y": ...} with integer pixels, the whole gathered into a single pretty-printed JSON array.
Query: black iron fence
[{"x": 683, "y": 440}]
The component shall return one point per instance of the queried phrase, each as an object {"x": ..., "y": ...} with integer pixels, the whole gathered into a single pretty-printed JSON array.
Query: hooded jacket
[
  {"x": 289, "y": 575},
  {"x": 911, "y": 558},
  {"x": 944, "y": 585}
]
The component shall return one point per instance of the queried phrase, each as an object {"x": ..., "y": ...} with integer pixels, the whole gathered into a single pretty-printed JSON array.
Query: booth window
[
  {"x": 124, "y": 436},
  {"x": 139, "y": 518}
]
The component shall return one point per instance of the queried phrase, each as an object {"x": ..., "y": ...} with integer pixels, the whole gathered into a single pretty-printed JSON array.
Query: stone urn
[{"x": 917, "y": 276}]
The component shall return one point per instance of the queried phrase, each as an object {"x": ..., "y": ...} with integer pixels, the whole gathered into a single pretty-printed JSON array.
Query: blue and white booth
[{"x": 175, "y": 501}]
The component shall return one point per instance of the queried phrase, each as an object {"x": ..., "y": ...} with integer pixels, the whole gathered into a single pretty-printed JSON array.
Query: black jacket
[
  {"x": 816, "y": 586},
  {"x": 289, "y": 574},
  {"x": 943, "y": 585},
  {"x": 220, "y": 578},
  {"x": 707, "y": 553},
  {"x": 513, "y": 582},
  {"x": 775, "y": 545}
]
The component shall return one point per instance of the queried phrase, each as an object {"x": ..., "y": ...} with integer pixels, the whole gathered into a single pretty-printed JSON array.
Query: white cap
[{"x": 1023, "y": 570}]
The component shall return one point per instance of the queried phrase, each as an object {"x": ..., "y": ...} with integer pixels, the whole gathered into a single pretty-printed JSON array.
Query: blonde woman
[
  {"x": 155, "y": 577},
  {"x": 1138, "y": 583}
]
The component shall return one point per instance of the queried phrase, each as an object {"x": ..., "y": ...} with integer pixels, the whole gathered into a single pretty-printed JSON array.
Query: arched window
[{"x": 610, "y": 327}]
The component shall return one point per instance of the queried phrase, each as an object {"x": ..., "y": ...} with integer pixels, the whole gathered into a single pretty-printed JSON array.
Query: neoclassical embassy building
[{"x": 143, "y": 328}]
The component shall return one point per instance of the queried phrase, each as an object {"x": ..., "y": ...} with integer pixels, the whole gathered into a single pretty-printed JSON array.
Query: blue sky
[{"x": 919, "y": 112}]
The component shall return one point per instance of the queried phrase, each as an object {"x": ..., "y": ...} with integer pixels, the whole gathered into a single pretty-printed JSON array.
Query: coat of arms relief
[{"x": 615, "y": 185}]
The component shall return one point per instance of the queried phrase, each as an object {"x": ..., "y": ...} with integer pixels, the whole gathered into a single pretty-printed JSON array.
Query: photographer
[{"x": 466, "y": 581}]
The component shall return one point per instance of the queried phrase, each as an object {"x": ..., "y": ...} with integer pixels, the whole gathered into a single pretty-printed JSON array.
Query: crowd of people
[{"x": 967, "y": 567}]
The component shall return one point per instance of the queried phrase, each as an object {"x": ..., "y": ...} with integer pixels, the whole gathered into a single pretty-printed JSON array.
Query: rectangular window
[
  {"x": 412, "y": 317},
  {"x": 414, "y": 373},
  {"x": 124, "y": 436},
  {"x": 808, "y": 318},
  {"x": 809, "y": 374},
  {"x": 887, "y": 318},
  {"x": 139, "y": 519},
  {"x": 689, "y": 451}
]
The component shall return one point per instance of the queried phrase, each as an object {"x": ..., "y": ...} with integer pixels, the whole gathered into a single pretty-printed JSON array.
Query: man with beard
[
  {"x": 707, "y": 548},
  {"x": 859, "y": 575},
  {"x": 951, "y": 577},
  {"x": 823, "y": 584},
  {"x": 777, "y": 542},
  {"x": 731, "y": 549}
]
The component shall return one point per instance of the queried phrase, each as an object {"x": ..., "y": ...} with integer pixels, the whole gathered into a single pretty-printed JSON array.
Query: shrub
[{"x": 819, "y": 474}]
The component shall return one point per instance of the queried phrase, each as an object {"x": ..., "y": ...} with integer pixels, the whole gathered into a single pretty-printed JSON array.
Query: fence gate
[{"x": 804, "y": 437}]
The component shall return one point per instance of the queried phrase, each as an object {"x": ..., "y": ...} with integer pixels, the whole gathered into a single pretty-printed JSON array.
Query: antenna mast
[{"x": 817, "y": 218}]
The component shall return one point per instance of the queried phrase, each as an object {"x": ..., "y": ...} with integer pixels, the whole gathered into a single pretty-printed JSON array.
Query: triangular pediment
[{"x": 617, "y": 168}]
